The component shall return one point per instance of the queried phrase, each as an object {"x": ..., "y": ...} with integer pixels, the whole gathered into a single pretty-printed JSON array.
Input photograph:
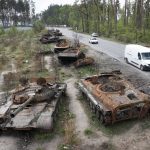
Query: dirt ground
[{"x": 128, "y": 135}]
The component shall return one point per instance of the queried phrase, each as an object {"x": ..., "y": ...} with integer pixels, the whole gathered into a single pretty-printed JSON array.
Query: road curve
[{"x": 111, "y": 48}]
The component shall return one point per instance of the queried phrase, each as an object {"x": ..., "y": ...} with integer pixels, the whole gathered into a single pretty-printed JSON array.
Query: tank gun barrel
[{"x": 13, "y": 114}]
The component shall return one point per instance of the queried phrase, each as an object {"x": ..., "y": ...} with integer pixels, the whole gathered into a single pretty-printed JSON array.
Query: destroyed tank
[
  {"x": 49, "y": 39},
  {"x": 61, "y": 46},
  {"x": 70, "y": 55},
  {"x": 55, "y": 32},
  {"x": 113, "y": 99},
  {"x": 32, "y": 106},
  {"x": 84, "y": 62}
]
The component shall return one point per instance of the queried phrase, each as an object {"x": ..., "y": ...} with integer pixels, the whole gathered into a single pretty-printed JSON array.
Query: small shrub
[
  {"x": 12, "y": 32},
  {"x": 2, "y": 31},
  {"x": 38, "y": 26},
  {"x": 88, "y": 132},
  {"x": 39, "y": 148}
]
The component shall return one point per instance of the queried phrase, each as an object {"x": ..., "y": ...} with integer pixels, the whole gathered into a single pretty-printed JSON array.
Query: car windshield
[
  {"x": 146, "y": 56},
  {"x": 93, "y": 39},
  {"x": 94, "y": 34}
]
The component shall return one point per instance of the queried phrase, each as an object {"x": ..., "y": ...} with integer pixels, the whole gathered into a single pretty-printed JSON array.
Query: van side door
[{"x": 139, "y": 59}]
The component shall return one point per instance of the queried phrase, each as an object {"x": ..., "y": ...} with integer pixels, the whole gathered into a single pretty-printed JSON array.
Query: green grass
[
  {"x": 39, "y": 148},
  {"x": 86, "y": 71},
  {"x": 145, "y": 124},
  {"x": 88, "y": 132},
  {"x": 41, "y": 136}
]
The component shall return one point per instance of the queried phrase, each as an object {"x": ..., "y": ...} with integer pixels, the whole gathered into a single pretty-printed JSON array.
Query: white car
[
  {"x": 94, "y": 35},
  {"x": 93, "y": 40}
]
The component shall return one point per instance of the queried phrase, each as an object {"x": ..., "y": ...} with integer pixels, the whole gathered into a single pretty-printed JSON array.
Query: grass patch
[
  {"x": 86, "y": 71},
  {"x": 41, "y": 136},
  {"x": 145, "y": 124},
  {"x": 39, "y": 148},
  {"x": 88, "y": 132}
]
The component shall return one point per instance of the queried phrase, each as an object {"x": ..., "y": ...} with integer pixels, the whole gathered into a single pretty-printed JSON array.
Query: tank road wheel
[
  {"x": 101, "y": 118},
  {"x": 84, "y": 96},
  {"x": 142, "y": 67},
  {"x": 95, "y": 110},
  {"x": 126, "y": 59},
  {"x": 97, "y": 113}
]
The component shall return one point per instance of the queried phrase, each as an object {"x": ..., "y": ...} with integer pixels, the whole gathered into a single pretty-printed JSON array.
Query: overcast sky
[{"x": 42, "y": 5}]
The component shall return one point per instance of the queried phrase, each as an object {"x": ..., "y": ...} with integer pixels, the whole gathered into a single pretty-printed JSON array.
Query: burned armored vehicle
[
  {"x": 70, "y": 55},
  {"x": 113, "y": 99},
  {"x": 49, "y": 39},
  {"x": 61, "y": 46},
  {"x": 32, "y": 106},
  {"x": 84, "y": 62}
]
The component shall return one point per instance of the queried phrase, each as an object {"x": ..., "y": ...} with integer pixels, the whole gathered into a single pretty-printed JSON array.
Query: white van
[{"x": 138, "y": 56}]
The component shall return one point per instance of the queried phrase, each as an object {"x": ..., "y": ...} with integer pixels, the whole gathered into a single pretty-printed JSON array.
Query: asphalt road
[{"x": 111, "y": 48}]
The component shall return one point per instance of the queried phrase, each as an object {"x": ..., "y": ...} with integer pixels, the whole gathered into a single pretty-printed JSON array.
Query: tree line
[
  {"x": 130, "y": 23},
  {"x": 14, "y": 11}
]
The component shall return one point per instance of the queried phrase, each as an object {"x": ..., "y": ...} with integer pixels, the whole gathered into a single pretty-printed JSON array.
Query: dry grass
[{"x": 70, "y": 137}]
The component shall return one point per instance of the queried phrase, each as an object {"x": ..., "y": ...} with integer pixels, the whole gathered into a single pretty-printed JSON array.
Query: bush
[
  {"x": 38, "y": 26},
  {"x": 12, "y": 31},
  {"x": 2, "y": 31},
  {"x": 126, "y": 37}
]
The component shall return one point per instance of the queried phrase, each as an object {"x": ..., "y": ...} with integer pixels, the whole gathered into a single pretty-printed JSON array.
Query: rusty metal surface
[
  {"x": 61, "y": 46},
  {"x": 118, "y": 95},
  {"x": 71, "y": 53},
  {"x": 84, "y": 62},
  {"x": 51, "y": 39},
  {"x": 37, "y": 112}
]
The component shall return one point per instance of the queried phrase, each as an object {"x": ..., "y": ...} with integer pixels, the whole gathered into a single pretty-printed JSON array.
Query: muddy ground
[{"x": 127, "y": 135}]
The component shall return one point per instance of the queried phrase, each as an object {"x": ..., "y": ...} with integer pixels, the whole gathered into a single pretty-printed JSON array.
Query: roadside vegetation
[
  {"x": 19, "y": 53},
  {"x": 129, "y": 23}
]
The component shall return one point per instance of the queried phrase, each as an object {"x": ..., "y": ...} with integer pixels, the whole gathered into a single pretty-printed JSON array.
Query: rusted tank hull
[
  {"x": 70, "y": 55},
  {"x": 84, "y": 62},
  {"x": 49, "y": 40},
  {"x": 114, "y": 103},
  {"x": 58, "y": 49},
  {"x": 41, "y": 115}
]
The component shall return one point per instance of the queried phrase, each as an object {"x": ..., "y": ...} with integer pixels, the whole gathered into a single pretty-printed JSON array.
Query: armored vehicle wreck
[
  {"x": 55, "y": 32},
  {"x": 49, "y": 39},
  {"x": 113, "y": 98},
  {"x": 70, "y": 55},
  {"x": 61, "y": 46},
  {"x": 32, "y": 106},
  {"x": 84, "y": 62}
]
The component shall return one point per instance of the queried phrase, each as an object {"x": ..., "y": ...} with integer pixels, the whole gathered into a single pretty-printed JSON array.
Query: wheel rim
[
  {"x": 101, "y": 118},
  {"x": 142, "y": 68}
]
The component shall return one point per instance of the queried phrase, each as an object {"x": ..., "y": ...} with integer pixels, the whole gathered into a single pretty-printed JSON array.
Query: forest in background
[
  {"x": 130, "y": 23},
  {"x": 13, "y": 12}
]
